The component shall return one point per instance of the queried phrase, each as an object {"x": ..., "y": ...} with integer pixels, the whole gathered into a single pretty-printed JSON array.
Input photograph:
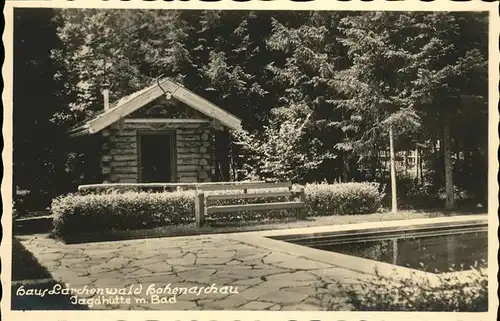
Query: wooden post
[
  {"x": 395, "y": 251},
  {"x": 199, "y": 207},
  {"x": 301, "y": 197},
  {"x": 393, "y": 172}
]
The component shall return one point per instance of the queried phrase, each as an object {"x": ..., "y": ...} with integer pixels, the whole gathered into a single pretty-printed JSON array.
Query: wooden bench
[{"x": 203, "y": 199}]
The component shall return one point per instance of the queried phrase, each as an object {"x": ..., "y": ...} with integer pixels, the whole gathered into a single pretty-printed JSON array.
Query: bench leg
[
  {"x": 199, "y": 208},
  {"x": 301, "y": 197}
]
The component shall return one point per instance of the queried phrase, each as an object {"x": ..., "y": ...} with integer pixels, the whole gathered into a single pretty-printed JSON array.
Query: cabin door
[{"x": 157, "y": 157}]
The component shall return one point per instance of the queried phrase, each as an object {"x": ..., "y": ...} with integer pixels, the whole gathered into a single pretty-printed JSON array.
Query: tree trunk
[
  {"x": 373, "y": 169},
  {"x": 405, "y": 161},
  {"x": 485, "y": 178},
  {"x": 448, "y": 166},
  {"x": 393, "y": 173},
  {"x": 385, "y": 164},
  {"x": 421, "y": 165},
  {"x": 345, "y": 169},
  {"x": 416, "y": 163}
]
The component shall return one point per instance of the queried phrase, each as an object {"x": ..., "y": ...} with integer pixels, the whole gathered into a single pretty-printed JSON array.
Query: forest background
[{"x": 317, "y": 92}]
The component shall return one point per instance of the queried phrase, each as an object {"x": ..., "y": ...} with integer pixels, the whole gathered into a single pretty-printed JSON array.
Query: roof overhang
[{"x": 139, "y": 99}]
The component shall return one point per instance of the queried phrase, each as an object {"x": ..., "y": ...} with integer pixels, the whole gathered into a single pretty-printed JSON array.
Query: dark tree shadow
[{"x": 31, "y": 275}]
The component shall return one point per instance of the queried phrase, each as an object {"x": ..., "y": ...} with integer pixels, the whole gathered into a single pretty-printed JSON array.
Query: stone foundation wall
[{"x": 119, "y": 162}]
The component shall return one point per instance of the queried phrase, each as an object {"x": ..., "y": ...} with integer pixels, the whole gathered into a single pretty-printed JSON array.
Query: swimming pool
[{"x": 435, "y": 248}]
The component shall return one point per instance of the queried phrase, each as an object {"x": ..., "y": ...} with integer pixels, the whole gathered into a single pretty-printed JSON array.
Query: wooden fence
[{"x": 203, "y": 199}]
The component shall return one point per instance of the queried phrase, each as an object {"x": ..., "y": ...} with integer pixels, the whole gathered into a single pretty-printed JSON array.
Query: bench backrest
[
  {"x": 202, "y": 199},
  {"x": 244, "y": 186}
]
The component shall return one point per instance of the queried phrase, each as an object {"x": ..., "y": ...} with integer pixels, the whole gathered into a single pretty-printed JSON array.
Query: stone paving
[{"x": 217, "y": 272}]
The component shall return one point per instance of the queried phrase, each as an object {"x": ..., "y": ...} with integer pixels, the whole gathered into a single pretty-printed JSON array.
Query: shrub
[
  {"x": 450, "y": 293},
  {"x": 76, "y": 213},
  {"x": 15, "y": 211},
  {"x": 92, "y": 212},
  {"x": 19, "y": 203},
  {"x": 284, "y": 151},
  {"x": 343, "y": 199}
]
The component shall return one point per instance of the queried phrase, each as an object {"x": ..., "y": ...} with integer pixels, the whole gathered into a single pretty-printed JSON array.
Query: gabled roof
[{"x": 128, "y": 104}]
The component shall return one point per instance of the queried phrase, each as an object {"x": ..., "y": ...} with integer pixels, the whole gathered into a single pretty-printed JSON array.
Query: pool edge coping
[
  {"x": 365, "y": 225},
  {"x": 262, "y": 239}
]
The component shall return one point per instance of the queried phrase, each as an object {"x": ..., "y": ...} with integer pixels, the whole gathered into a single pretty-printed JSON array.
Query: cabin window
[{"x": 157, "y": 157}]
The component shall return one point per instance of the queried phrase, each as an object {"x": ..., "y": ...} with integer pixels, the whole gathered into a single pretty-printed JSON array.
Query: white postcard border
[{"x": 408, "y": 5}]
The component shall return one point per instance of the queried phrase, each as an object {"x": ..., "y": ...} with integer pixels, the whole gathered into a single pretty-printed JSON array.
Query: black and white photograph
[{"x": 264, "y": 159}]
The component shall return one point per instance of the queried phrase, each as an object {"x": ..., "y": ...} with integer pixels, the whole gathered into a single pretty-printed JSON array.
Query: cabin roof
[{"x": 128, "y": 104}]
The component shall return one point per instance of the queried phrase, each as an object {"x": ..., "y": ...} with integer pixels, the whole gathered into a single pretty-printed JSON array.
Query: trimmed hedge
[
  {"x": 343, "y": 199},
  {"x": 121, "y": 211},
  {"x": 76, "y": 213}
]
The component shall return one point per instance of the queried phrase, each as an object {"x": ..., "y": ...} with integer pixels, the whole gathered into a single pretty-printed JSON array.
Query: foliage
[
  {"x": 38, "y": 142},
  {"x": 375, "y": 88},
  {"x": 75, "y": 213},
  {"x": 448, "y": 293},
  {"x": 316, "y": 91},
  {"x": 311, "y": 55},
  {"x": 451, "y": 92},
  {"x": 413, "y": 77},
  {"x": 343, "y": 198},
  {"x": 19, "y": 206},
  {"x": 15, "y": 210},
  {"x": 279, "y": 156},
  {"x": 114, "y": 210}
]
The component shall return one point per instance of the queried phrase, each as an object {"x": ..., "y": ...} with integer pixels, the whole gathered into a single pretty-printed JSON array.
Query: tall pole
[
  {"x": 416, "y": 162},
  {"x": 393, "y": 172},
  {"x": 448, "y": 165}
]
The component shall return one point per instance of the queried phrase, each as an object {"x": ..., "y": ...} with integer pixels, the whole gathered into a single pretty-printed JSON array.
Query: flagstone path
[{"x": 210, "y": 268}]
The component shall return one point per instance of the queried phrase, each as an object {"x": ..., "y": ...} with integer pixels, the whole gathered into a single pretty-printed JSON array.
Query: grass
[{"x": 217, "y": 228}]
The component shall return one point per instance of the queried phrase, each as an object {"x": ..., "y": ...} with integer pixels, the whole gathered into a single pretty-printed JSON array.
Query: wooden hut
[{"x": 162, "y": 133}]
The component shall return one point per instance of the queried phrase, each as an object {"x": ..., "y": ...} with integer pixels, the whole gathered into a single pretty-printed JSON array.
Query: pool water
[{"x": 435, "y": 253}]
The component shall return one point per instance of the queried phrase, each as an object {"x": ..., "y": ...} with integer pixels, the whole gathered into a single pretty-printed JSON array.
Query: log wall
[{"x": 120, "y": 163}]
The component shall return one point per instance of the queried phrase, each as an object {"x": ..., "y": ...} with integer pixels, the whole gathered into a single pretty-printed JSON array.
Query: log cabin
[{"x": 163, "y": 133}]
